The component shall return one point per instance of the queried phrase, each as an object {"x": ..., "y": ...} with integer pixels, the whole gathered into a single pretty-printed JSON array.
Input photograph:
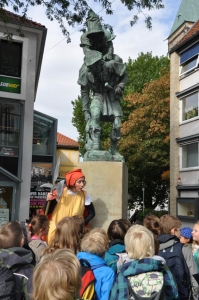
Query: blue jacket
[
  {"x": 104, "y": 275},
  {"x": 120, "y": 288},
  {"x": 111, "y": 257}
]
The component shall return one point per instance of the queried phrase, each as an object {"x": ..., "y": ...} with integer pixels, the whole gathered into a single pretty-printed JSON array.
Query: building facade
[
  {"x": 183, "y": 45},
  {"x": 20, "y": 64}
]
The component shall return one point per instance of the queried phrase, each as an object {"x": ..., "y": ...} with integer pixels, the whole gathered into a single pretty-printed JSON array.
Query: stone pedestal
[{"x": 107, "y": 183}]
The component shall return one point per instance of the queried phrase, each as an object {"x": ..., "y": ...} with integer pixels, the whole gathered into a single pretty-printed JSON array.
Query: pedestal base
[{"x": 107, "y": 183}]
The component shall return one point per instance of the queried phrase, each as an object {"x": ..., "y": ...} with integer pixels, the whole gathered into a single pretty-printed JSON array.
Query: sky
[{"x": 61, "y": 61}]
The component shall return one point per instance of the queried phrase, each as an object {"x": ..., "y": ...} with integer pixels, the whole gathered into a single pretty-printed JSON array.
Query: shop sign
[
  {"x": 10, "y": 84},
  {"x": 8, "y": 151}
]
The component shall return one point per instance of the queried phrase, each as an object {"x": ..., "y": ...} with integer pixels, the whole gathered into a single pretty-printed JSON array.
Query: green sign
[{"x": 10, "y": 85}]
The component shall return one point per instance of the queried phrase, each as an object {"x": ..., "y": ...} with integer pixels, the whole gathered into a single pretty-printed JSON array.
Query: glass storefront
[
  {"x": 43, "y": 159},
  {"x": 6, "y": 194},
  {"x": 10, "y": 123},
  {"x": 43, "y": 135}
]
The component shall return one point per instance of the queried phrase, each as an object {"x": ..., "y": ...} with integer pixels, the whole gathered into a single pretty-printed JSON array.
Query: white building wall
[
  {"x": 29, "y": 62},
  {"x": 189, "y": 80},
  {"x": 189, "y": 127}
]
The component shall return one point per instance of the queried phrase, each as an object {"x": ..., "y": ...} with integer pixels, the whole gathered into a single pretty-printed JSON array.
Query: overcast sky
[{"x": 61, "y": 61}]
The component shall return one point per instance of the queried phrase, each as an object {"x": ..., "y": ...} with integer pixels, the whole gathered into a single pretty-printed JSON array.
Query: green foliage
[
  {"x": 79, "y": 122},
  {"x": 144, "y": 69},
  {"x": 74, "y": 12}
]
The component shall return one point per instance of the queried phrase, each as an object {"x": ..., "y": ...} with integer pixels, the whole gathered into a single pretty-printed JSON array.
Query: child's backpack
[
  {"x": 87, "y": 290},
  {"x": 148, "y": 286},
  {"x": 175, "y": 261},
  {"x": 111, "y": 260},
  {"x": 7, "y": 284},
  {"x": 12, "y": 285}
]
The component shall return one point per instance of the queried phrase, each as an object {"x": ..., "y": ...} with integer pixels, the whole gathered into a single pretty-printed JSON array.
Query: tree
[
  {"x": 142, "y": 70},
  {"x": 145, "y": 143},
  {"x": 74, "y": 12}
]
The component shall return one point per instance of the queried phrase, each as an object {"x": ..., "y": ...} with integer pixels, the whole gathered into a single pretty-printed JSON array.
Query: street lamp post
[{"x": 143, "y": 189}]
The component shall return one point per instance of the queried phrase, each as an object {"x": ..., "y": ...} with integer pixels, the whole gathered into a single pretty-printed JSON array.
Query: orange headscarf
[{"x": 73, "y": 176}]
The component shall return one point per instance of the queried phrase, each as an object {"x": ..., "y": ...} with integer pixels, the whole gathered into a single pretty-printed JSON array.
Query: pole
[{"x": 143, "y": 202}]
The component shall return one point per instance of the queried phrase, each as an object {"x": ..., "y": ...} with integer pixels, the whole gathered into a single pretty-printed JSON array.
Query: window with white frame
[
  {"x": 189, "y": 59},
  {"x": 190, "y": 106},
  {"x": 190, "y": 155}
]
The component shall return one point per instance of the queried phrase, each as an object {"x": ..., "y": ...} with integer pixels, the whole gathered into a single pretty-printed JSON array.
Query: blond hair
[
  {"x": 169, "y": 222},
  {"x": 66, "y": 236},
  {"x": 95, "y": 241},
  {"x": 195, "y": 242},
  {"x": 57, "y": 276},
  {"x": 139, "y": 242}
]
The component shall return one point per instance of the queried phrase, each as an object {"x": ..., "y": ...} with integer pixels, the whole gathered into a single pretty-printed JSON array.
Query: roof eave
[
  {"x": 179, "y": 46},
  {"x": 69, "y": 147}
]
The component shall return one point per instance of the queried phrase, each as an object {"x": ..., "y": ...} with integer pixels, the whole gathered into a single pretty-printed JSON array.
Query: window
[
  {"x": 10, "y": 115},
  {"x": 190, "y": 106},
  {"x": 190, "y": 155},
  {"x": 189, "y": 59},
  {"x": 43, "y": 135},
  {"x": 10, "y": 58}
]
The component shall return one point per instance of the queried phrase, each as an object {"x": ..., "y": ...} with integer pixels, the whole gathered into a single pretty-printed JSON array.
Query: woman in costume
[{"x": 73, "y": 201}]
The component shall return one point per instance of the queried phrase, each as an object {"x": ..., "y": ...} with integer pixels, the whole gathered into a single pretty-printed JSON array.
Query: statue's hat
[
  {"x": 91, "y": 57},
  {"x": 84, "y": 40},
  {"x": 109, "y": 37},
  {"x": 93, "y": 23}
]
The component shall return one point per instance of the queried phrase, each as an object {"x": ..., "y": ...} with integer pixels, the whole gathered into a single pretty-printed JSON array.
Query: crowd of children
[{"x": 156, "y": 260}]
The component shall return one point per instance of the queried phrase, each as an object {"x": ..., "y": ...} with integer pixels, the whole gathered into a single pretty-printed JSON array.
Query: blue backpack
[{"x": 175, "y": 261}]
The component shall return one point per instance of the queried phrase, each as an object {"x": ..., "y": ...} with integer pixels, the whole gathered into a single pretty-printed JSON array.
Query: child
[
  {"x": 94, "y": 245},
  {"x": 179, "y": 257},
  {"x": 57, "y": 276},
  {"x": 39, "y": 227},
  {"x": 152, "y": 222},
  {"x": 66, "y": 236},
  {"x": 80, "y": 226},
  {"x": 186, "y": 235},
  {"x": 17, "y": 259},
  {"x": 195, "y": 245},
  {"x": 116, "y": 233},
  {"x": 143, "y": 276},
  {"x": 126, "y": 223}
]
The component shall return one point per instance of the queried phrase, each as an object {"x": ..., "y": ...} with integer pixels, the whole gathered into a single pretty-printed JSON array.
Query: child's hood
[
  {"x": 15, "y": 256},
  {"x": 139, "y": 266}
]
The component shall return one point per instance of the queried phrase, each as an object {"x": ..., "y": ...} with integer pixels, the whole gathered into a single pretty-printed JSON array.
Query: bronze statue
[{"x": 104, "y": 74}]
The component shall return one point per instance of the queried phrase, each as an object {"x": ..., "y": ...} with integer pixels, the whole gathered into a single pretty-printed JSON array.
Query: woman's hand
[{"x": 51, "y": 196}]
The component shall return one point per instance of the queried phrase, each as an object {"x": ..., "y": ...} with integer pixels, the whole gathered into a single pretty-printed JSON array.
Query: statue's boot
[
  {"x": 114, "y": 137},
  {"x": 95, "y": 133}
]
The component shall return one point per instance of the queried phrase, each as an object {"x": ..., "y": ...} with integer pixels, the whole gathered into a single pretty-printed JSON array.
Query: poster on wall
[
  {"x": 4, "y": 216},
  {"x": 37, "y": 201}
]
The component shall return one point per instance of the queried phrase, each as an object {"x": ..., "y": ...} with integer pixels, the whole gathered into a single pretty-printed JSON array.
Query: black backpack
[
  {"x": 7, "y": 284},
  {"x": 12, "y": 285},
  {"x": 175, "y": 261}
]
